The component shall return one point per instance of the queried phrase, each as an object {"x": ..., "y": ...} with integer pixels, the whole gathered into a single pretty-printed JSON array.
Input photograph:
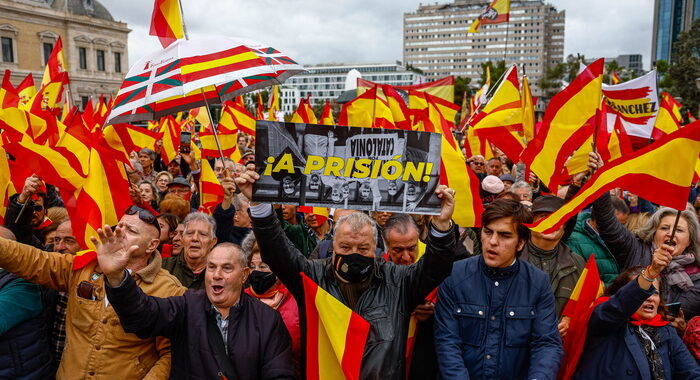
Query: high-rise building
[
  {"x": 327, "y": 81},
  {"x": 671, "y": 18},
  {"x": 435, "y": 39},
  {"x": 94, "y": 45}
]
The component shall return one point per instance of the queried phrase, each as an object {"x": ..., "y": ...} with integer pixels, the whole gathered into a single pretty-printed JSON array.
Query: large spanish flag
[
  {"x": 166, "y": 22},
  {"x": 496, "y": 13},
  {"x": 55, "y": 65},
  {"x": 578, "y": 308},
  {"x": 568, "y": 121},
  {"x": 501, "y": 120},
  {"x": 669, "y": 117},
  {"x": 335, "y": 336},
  {"x": 443, "y": 88},
  {"x": 367, "y": 110},
  {"x": 661, "y": 173}
]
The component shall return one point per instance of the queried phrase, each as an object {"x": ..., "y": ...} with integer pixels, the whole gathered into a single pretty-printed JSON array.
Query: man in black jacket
[
  {"x": 382, "y": 293},
  {"x": 215, "y": 333}
]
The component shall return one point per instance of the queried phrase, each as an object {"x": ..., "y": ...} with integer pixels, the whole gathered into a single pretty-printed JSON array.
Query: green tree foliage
[
  {"x": 462, "y": 87},
  {"x": 497, "y": 71},
  {"x": 685, "y": 68}
]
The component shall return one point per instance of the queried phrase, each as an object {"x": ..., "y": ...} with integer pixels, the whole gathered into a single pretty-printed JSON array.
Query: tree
[
  {"x": 609, "y": 68},
  {"x": 496, "y": 70},
  {"x": 550, "y": 83},
  {"x": 462, "y": 86},
  {"x": 685, "y": 68},
  {"x": 664, "y": 82}
]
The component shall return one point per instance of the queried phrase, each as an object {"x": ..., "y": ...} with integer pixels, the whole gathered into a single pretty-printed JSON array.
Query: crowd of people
[{"x": 173, "y": 292}]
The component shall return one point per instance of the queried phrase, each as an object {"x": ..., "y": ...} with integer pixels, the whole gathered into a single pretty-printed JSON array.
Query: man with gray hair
[
  {"x": 147, "y": 158},
  {"x": 198, "y": 238},
  {"x": 523, "y": 190},
  {"x": 380, "y": 292}
]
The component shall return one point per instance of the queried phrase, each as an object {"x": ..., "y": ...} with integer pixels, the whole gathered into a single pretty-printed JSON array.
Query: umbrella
[{"x": 192, "y": 73}]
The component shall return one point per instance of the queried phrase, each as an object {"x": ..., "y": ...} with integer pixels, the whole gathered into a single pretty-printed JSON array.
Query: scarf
[
  {"x": 272, "y": 298},
  {"x": 648, "y": 335},
  {"x": 656, "y": 321},
  {"x": 675, "y": 273}
]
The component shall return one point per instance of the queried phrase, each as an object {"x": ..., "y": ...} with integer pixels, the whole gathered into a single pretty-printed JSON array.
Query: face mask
[
  {"x": 354, "y": 267},
  {"x": 261, "y": 282}
]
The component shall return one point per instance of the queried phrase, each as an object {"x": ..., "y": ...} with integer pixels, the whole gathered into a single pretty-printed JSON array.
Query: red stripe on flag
[{"x": 312, "y": 322}]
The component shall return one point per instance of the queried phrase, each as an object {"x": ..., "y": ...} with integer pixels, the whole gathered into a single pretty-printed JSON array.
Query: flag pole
[
  {"x": 673, "y": 231},
  {"x": 505, "y": 47},
  {"x": 488, "y": 94},
  {"x": 182, "y": 17}
]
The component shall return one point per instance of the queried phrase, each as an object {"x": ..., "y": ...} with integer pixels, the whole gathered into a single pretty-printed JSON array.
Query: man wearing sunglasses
[
  {"x": 97, "y": 346},
  {"x": 32, "y": 217}
]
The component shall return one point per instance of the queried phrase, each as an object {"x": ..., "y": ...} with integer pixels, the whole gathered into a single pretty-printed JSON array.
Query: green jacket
[
  {"x": 298, "y": 234},
  {"x": 584, "y": 241}
]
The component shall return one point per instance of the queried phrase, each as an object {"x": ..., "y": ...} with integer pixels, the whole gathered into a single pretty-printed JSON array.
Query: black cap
[
  {"x": 179, "y": 181},
  {"x": 547, "y": 203}
]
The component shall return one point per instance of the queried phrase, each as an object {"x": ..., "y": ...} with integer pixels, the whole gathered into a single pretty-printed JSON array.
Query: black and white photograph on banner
[{"x": 347, "y": 167}]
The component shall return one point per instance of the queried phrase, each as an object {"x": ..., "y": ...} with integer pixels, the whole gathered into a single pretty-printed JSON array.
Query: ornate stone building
[{"x": 94, "y": 45}]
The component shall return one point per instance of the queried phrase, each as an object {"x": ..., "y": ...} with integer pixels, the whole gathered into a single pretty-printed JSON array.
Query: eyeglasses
[
  {"x": 144, "y": 215},
  {"x": 38, "y": 208},
  {"x": 478, "y": 163}
]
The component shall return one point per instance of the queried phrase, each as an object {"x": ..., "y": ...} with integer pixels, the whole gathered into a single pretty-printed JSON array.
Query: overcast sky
[{"x": 370, "y": 31}]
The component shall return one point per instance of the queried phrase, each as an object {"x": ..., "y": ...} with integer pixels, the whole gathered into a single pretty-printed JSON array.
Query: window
[
  {"x": 100, "y": 60},
  {"x": 82, "y": 57},
  {"x": 48, "y": 48},
  {"x": 8, "y": 55},
  {"x": 84, "y": 100},
  {"x": 117, "y": 62}
]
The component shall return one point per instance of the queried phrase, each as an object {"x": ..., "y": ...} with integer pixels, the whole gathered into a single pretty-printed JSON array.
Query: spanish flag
[
  {"x": 614, "y": 78},
  {"x": 367, "y": 110},
  {"x": 210, "y": 149},
  {"x": 528, "y": 110},
  {"x": 171, "y": 139},
  {"x": 502, "y": 117},
  {"x": 321, "y": 213},
  {"x": 645, "y": 172},
  {"x": 669, "y": 117},
  {"x": 568, "y": 121},
  {"x": 55, "y": 65},
  {"x": 273, "y": 103},
  {"x": 443, "y": 88},
  {"x": 335, "y": 336},
  {"x": 210, "y": 189},
  {"x": 496, "y": 13},
  {"x": 6, "y": 187},
  {"x": 26, "y": 90},
  {"x": 578, "y": 308},
  {"x": 234, "y": 118},
  {"x": 304, "y": 113},
  {"x": 327, "y": 115},
  {"x": 8, "y": 93},
  {"x": 166, "y": 22}
]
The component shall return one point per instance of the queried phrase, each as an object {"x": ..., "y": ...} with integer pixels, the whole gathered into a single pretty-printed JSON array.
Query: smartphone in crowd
[
  {"x": 185, "y": 141},
  {"x": 674, "y": 308}
]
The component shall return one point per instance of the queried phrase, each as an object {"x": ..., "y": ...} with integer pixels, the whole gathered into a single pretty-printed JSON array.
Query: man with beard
[{"x": 382, "y": 293}]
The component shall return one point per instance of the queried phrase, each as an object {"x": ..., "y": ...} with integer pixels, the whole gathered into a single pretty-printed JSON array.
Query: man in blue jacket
[{"x": 495, "y": 316}]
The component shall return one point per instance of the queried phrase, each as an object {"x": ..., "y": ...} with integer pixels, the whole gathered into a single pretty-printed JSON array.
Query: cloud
[{"x": 369, "y": 31}]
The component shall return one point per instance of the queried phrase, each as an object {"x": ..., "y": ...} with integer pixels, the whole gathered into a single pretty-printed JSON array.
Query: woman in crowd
[
  {"x": 680, "y": 282},
  {"x": 149, "y": 194},
  {"x": 162, "y": 181},
  {"x": 266, "y": 287},
  {"x": 168, "y": 223},
  {"x": 628, "y": 336}
]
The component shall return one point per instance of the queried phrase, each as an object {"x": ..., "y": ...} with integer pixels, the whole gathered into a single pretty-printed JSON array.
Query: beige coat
[{"x": 96, "y": 345}]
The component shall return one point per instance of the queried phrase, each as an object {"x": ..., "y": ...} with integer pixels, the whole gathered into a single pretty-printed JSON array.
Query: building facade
[
  {"x": 328, "y": 81},
  {"x": 94, "y": 45},
  {"x": 435, "y": 39},
  {"x": 671, "y": 18}
]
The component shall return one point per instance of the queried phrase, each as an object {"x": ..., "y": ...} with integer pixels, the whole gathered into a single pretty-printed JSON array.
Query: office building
[
  {"x": 435, "y": 39},
  {"x": 671, "y": 18}
]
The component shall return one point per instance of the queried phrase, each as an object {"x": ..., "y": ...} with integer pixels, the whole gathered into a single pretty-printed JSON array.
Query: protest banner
[{"x": 347, "y": 167}]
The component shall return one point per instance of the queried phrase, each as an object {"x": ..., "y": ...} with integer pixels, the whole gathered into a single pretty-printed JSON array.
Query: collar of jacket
[{"x": 149, "y": 272}]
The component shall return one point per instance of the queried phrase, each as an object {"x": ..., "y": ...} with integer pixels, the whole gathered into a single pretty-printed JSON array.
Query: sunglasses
[
  {"x": 144, "y": 215},
  {"x": 38, "y": 208},
  {"x": 478, "y": 163}
]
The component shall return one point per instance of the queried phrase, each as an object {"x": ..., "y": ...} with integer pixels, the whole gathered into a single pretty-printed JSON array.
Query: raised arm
[
  {"x": 140, "y": 314},
  {"x": 50, "y": 269},
  {"x": 436, "y": 263}
]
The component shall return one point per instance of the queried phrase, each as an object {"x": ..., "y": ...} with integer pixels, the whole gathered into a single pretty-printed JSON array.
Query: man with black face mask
[{"x": 383, "y": 293}]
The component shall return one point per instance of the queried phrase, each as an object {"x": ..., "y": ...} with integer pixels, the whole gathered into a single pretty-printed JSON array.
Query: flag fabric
[
  {"x": 49, "y": 95},
  {"x": 413, "y": 330},
  {"x": 6, "y": 186},
  {"x": 644, "y": 172},
  {"x": 26, "y": 90},
  {"x": 234, "y": 118},
  {"x": 126, "y": 138},
  {"x": 669, "y": 117},
  {"x": 170, "y": 130},
  {"x": 201, "y": 115},
  {"x": 55, "y": 65},
  {"x": 8, "y": 94},
  {"x": 327, "y": 115},
  {"x": 166, "y": 22},
  {"x": 228, "y": 143},
  {"x": 501, "y": 120},
  {"x": 443, "y": 88},
  {"x": 260, "y": 110},
  {"x": 568, "y": 121},
  {"x": 273, "y": 103},
  {"x": 637, "y": 102},
  {"x": 210, "y": 189},
  {"x": 497, "y": 12},
  {"x": 367, "y": 110},
  {"x": 480, "y": 97},
  {"x": 304, "y": 113},
  {"x": 475, "y": 145},
  {"x": 419, "y": 102},
  {"x": 335, "y": 335},
  {"x": 321, "y": 213},
  {"x": 691, "y": 118},
  {"x": 614, "y": 78},
  {"x": 588, "y": 288},
  {"x": 528, "y": 110}
]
